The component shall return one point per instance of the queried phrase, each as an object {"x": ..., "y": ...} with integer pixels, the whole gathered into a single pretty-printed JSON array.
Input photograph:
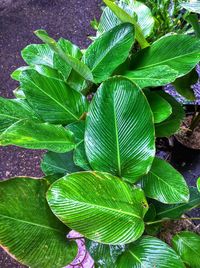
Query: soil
[
  {"x": 18, "y": 19},
  {"x": 188, "y": 138}
]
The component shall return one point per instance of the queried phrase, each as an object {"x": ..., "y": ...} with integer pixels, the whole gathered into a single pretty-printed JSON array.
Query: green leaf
[
  {"x": 38, "y": 54},
  {"x": 105, "y": 256},
  {"x": 69, "y": 49},
  {"x": 183, "y": 85},
  {"x": 100, "y": 206},
  {"x": 125, "y": 17},
  {"x": 16, "y": 74},
  {"x": 75, "y": 63},
  {"x": 119, "y": 136},
  {"x": 145, "y": 19},
  {"x": 193, "y": 19},
  {"x": 152, "y": 77},
  {"x": 13, "y": 110},
  {"x": 180, "y": 52},
  {"x": 161, "y": 183},
  {"x": 187, "y": 245},
  {"x": 160, "y": 107},
  {"x": 192, "y": 6},
  {"x": 149, "y": 252},
  {"x": 52, "y": 99},
  {"x": 54, "y": 163},
  {"x": 198, "y": 184},
  {"x": 31, "y": 135},
  {"x": 176, "y": 211},
  {"x": 102, "y": 56},
  {"x": 28, "y": 229},
  {"x": 172, "y": 124}
]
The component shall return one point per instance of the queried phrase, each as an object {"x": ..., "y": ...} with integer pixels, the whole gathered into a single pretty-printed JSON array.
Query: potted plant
[{"x": 98, "y": 113}]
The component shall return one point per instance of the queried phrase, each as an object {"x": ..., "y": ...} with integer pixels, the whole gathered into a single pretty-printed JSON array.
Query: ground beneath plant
[{"x": 18, "y": 19}]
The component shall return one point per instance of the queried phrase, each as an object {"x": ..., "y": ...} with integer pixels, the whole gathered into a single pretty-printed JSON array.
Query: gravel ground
[{"x": 18, "y": 20}]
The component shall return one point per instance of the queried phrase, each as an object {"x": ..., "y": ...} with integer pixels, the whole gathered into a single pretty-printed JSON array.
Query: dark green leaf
[
  {"x": 31, "y": 135},
  {"x": 52, "y": 99},
  {"x": 149, "y": 252},
  {"x": 12, "y": 110},
  {"x": 193, "y": 19},
  {"x": 183, "y": 85},
  {"x": 187, "y": 245},
  {"x": 54, "y": 163},
  {"x": 160, "y": 107},
  {"x": 100, "y": 206},
  {"x": 119, "y": 136},
  {"x": 28, "y": 229},
  {"x": 161, "y": 183},
  {"x": 109, "y": 51},
  {"x": 176, "y": 211},
  {"x": 38, "y": 54},
  {"x": 172, "y": 124}
]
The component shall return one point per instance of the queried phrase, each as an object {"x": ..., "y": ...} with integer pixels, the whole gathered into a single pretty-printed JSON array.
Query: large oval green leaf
[
  {"x": 12, "y": 110},
  {"x": 149, "y": 252},
  {"x": 187, "y": 245},
  {"x": 52, "y": 99},
  {"x": 119, "y": 136},
  {"x": 161, "y": 183},
  {"x": 28, "y": 229},
  {"x": 100, "y": 206},
  {"x": 31, "y": 135},
  {"x": 109, "y": 51},
  {"x": 180, "y": 52}
]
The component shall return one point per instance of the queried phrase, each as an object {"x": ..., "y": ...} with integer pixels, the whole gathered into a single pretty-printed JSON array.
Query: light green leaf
[
  {"x": 149, "y": 252},
  {"x": 124, "y": 16},
  {"x": 69, "y": 49},
  {"x": 161, "y": 183},
  {"x": 28, "y": 229},
  {"x": 16, "y": 74},
  {"x": 54, "y": 163},
  {"x": 172, "y": 124},
  {"x": 13, "y": 110},
  {"x": 52, "y": 99},
  {"x": 152, "y": 77},
  {"x": 192, "y": 6},
  {"x": 160, "y": 107},
  {"x": 100, "y": 206},
  {"x": 119, "y": 136},
  {"x": 145, "y": 19},
  {"x": 183, "y": 85},
  {"x": 176, "y": 211},
  {"x": 18, "y": 93},
  {"x": 38, "y": 54},
  {"x": 30, "y": 135},
  {"x": 75, "y": 63},
  {"x": 105, "y": 256},
  {"x": 187, "y": 245},
  {"x": 102, "y": 56},
  {"x": 198, "y": 184},
  {"x": 180, "y": 52}
]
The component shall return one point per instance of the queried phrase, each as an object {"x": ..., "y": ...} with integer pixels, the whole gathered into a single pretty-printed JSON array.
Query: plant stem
[
  {"x": 163, "y": 220},
  {"x": 195, "y": 122}
]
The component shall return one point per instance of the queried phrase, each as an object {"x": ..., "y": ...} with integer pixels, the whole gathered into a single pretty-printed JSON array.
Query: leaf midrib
[
  {"x": 136, "y": 257},
  {"x": 117, "y": 141},
  {"x": 184, "y": 242},
  {"x": 31, "y": 223}
]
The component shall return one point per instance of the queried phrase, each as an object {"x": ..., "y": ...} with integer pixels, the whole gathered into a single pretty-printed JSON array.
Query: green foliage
[{"x": 98, "y": 112}]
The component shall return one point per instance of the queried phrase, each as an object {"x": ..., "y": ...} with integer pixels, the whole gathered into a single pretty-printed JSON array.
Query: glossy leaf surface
[
  {"x": 149, "y": 252},
  {"x": 172, "y": 124},
  {"x": 12, "y": 110},
  {"x": 119, "y": 136},
  {"x": 187, "y": 245},
  {"x": 198, "y": 184},
  {"x": 192, "y": 6},
  {"x": 161, "y": 183},
  {"x": 152, "y": 77},
  {"x": 31, "y": 135},
  {"x": 180, "y": 52},
  {"x": 54, "y": 163},
  {"x": 160, "y": 107},
  {"x": 176, "y": 211},
  {"x": 38, "y": 54},
  {"x": 100, "y": 206},
  {"x": 28, "y": 229},
  {"x": 109, "y": 51},
  {"x": 52, "y": 99}
]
